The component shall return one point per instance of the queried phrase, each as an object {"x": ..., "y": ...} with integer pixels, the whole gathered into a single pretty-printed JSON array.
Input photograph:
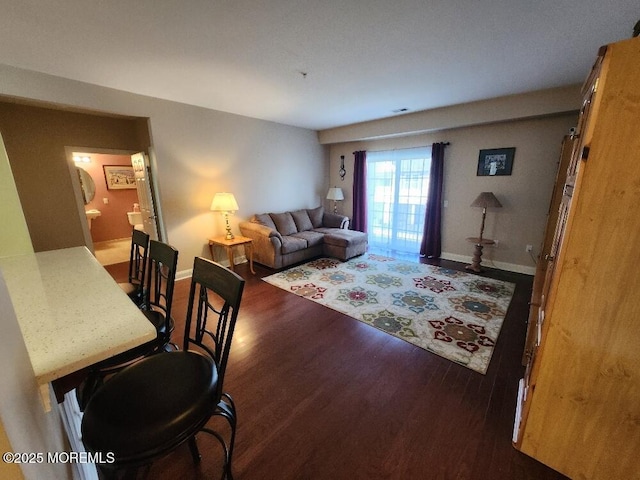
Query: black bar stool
[{"x": 153, "y": 406}]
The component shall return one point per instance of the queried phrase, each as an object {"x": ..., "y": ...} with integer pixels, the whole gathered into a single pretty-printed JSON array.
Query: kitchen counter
[{"x": 71, "y": 312}]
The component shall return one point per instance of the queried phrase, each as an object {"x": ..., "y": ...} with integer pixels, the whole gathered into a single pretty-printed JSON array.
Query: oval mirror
[{"x": 87, "y": 185}]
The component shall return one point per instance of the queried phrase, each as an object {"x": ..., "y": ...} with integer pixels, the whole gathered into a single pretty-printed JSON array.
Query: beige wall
[
  {"x": 552, "y": 101},
  {"x": 271, "y": 167},
  {"x": 196, "y": 153},
  {"x": 14, "y": 235},
  {"x": 35, "y": 140},
  {"x": 525, "y": 194},
  {"x": 267, "y": 166}
]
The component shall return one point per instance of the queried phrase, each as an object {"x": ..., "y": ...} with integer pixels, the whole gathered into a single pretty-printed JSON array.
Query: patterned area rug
[{"x": 453, "y": 314}]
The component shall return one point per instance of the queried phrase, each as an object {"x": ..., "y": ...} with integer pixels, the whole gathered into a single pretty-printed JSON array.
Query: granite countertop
[{"x": 71, "y": 312}]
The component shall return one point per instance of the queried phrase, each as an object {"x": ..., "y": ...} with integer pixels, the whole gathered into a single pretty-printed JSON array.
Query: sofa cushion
[
  {"x": 326, "y": 230},
  {"x": 344, "y": 244},
  {"x": 345, "y": 238},
  {"x": 315, "y": 215},
  {"x": 292, "y": 244},
  {"x": 284, "y": 223},
  {"x": 312, "y": 237},
  {"x": 264, "y": 219},
  {"x": 302, "y": 220},
  {"x": 333, "y": 220}
]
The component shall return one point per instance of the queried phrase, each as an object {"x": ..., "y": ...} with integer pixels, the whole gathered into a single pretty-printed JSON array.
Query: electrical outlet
[{"x": 528, "y": 248}]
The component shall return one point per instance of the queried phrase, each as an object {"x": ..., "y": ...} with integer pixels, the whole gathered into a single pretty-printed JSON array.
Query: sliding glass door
[{"x": 397, "y": 190}]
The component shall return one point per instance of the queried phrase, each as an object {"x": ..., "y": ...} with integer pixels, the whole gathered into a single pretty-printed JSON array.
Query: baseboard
[
  {"x": 182, "y": 274},
  {"x": 509, "y": 267}
]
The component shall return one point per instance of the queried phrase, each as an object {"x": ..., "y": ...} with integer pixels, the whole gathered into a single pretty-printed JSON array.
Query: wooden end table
[
  {"x": 228, "y": 246},
  {"x": 477, "y": 253}
]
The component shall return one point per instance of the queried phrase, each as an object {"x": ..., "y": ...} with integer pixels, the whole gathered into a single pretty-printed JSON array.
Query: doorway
[
  {"x": 115, "y": 205},
  {"x": 397, "y": 191}
]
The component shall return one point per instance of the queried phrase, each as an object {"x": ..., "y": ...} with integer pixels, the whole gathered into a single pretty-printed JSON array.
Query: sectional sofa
[{"x": 287, "y": 238}]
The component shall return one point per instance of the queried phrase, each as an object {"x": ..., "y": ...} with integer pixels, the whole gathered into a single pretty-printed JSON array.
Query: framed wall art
[
  {"x": 119, "y": 177},
  {"x": 496, "y": 161}
]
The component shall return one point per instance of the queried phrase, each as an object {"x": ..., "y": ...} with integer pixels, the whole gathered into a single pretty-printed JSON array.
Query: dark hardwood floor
[{"x": 323, "y": 396}]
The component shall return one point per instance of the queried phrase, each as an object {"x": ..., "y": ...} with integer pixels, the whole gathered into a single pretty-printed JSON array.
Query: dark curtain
[
  {"x": 431, "y": 245},
  {"x": 359, "y": 221}
]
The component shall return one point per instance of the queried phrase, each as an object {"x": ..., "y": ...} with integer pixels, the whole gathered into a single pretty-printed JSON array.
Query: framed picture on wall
[
  {"x": 119, "y": 177},
  {"x": 496, "y": 161}
]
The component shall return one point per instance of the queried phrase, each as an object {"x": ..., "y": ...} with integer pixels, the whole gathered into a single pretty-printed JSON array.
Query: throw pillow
[
  {"x": 315, "y": 215},
  {"x": 264, "y": 219},
  {"x": 284, "y": 223},
  {"x": 303, "y": 222}
]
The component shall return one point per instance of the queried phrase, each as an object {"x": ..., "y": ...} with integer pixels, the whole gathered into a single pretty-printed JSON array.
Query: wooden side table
[
  {"x": 228, "y": 246},
  {"x": 477, "y": 253}
]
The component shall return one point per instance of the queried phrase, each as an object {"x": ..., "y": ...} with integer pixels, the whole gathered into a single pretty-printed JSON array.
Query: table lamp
[
  {"x": 336, "y": 195},
  {"x": 225, "y": 203}
]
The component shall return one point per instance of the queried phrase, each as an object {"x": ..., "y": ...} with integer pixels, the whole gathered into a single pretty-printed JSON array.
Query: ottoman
[{"x": 345, "y": 244}]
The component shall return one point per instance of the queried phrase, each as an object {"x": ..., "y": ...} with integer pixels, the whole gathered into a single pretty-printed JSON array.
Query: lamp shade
[
  {"x": 486, "y": 200},
  {"x": 224, "y": 202},
  {"x": 335, "y": 193}
]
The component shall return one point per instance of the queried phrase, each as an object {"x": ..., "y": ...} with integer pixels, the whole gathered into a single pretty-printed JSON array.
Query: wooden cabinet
[
  {"x": 579, "y": 402},
  {"x": 546, "y": 255}
]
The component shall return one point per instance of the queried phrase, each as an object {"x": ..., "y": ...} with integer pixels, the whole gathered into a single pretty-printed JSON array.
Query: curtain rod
[{"x": 404, "y": 148}]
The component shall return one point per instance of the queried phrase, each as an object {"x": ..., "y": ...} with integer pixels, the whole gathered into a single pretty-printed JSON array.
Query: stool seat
[
  {"x": 122, "y": 416},
  {"x": 345, "y": 244}
]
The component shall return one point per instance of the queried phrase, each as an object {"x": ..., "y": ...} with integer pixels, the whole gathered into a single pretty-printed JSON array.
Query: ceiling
[{"x": 316, "y": 64}]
